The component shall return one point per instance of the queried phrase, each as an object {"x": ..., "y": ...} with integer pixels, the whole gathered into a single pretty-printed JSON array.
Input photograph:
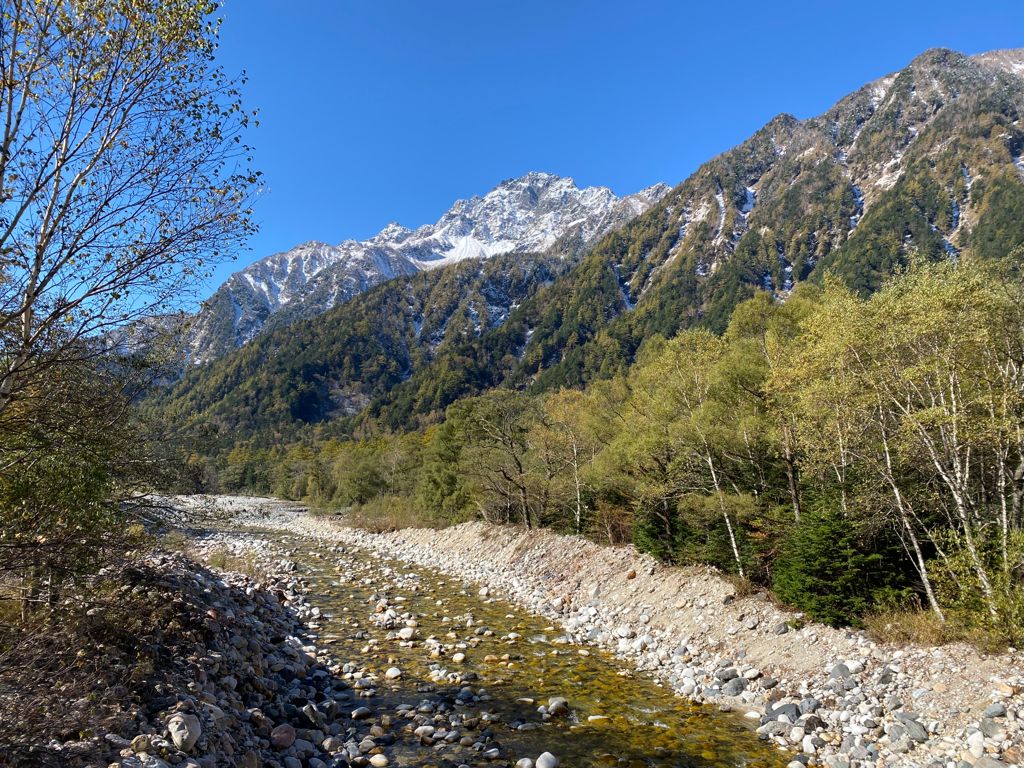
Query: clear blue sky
[{"x": 384, "y": 110}]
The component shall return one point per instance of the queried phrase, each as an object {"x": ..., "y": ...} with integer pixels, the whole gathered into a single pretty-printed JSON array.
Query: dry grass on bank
[
  {"x": 67, "y": 672},
  {"x": 222, "y": 558},
  {"x": 905, "y": 627},
  {"x": 385, "y": 514}
]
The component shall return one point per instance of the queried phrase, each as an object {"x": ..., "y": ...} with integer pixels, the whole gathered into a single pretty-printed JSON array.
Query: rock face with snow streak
[{"x": 532, "y": 214}]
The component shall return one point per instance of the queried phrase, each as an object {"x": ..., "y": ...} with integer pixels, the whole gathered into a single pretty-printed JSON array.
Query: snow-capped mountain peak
[{"x": 531, "y": 213}]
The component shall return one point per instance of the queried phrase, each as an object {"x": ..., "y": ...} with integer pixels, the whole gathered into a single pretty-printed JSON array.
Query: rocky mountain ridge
[{"x": 531, "y": 214}]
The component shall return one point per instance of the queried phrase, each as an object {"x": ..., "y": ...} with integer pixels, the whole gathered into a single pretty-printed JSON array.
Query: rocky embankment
[
  {"x": 240, "y": 669},
  {"x": 831, "y": 697},
  {"x": 216, "y": 673},
  {"x": 442, "y": 673}
]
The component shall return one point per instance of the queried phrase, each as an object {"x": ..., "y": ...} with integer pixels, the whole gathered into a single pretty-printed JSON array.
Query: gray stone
[
  {"x": 809, "y": 705},
  {"x": 283, "y": 736},
  {"x": 992, "y": 729},
  {"x": 789, "y": 710},
  {"x": 735, "y": 687},
  {"x": 995, "y": 710},
  {"x": 184, "y": 729},
  {"x": 914, "y": 729},
  {"x": 900, "y": 745},
  {"x": 546, "y": 760},
  {"x": 840, "y": 672},
  {"x": 774, "y": 728}
]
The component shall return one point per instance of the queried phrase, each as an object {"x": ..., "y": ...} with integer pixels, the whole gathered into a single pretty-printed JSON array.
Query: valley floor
[{"x": 832, "y": 696}]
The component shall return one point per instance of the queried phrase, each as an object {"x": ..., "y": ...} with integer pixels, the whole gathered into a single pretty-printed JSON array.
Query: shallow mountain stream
[{"x": 478, "y": 670}]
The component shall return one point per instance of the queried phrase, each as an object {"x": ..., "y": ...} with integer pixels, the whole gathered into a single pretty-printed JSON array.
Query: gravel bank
[
  {"x": 833, "y": 697},
  {"x": 189, "y": 667}
]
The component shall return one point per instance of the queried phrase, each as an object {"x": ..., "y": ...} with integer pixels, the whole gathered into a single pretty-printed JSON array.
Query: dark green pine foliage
[{"x": 834, "y": 571}]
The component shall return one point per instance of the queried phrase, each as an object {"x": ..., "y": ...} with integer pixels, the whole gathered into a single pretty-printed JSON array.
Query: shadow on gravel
[{"x": 94, "y": 679}]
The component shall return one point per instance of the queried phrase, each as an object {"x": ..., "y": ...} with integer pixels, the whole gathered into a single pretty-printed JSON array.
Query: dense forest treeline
[{"x": 851, "y": 453}]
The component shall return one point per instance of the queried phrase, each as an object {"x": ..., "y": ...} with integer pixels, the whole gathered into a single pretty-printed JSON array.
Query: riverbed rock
[
  {"x": 736, "y": 686},
  {"x": 913, "y": 728},
  {"x": 283, "y": 736},
  {"x": 546, "y": 760},
  {"x": 185, "y": 730},
  {"x": 998, "y": 709},
  {"x": 558, "y": 705}
]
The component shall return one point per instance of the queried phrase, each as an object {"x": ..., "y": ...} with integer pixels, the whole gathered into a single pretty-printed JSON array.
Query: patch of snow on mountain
[
  {"x": 890, "y": 175},
  {"x": 880, "y": 89},
  {"x": 787, "y": 271},
  {"x": 623, "y": 288},
  {"x": 748, "y": 202},
  {"x": 1018, "y": 160},
  {"x": 720, "y": 200},
  {"x": 968, "y": 179},
  {"x": 1011, "y": 61},
  {"x": 858, "y": 203}
]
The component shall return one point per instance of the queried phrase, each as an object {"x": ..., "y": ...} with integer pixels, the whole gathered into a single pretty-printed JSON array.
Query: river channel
[{"x": 480, "y": 672}]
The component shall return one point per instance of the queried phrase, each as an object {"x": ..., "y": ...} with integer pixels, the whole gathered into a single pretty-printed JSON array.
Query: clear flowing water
[{"x": 618, "y": 716}]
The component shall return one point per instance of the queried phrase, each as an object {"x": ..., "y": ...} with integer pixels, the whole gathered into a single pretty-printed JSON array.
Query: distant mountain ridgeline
[
  {"x": 531, "y": 214},
  {"x": 922, "y": 164}
]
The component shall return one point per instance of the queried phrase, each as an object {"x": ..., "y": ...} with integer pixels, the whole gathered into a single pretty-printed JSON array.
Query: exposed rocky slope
[{"x": 531, "y": 214}]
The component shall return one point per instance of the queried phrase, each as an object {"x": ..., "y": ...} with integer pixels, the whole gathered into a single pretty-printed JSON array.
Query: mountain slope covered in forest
[{"x": 924, "y": 163}]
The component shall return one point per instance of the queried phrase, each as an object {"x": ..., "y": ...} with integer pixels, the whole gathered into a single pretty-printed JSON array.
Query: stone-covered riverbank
[
  {"x": 325, "y": 655},
  {"x": 449, "y": 675},
  {"x": 174, "y": 664},
  {"x": 830, "y": 696}
]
